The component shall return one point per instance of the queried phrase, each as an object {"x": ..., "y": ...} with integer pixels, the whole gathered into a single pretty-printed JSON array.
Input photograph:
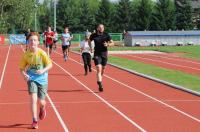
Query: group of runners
[{"x": 35, "y": 63}]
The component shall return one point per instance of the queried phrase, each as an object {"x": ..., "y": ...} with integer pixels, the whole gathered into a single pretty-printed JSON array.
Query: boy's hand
[
  {"x": 40, "y": 72},
  {"x": 26, "y": 77}
]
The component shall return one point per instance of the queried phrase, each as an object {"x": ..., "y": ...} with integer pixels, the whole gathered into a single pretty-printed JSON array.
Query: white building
[{"x": 147, "y": 38}]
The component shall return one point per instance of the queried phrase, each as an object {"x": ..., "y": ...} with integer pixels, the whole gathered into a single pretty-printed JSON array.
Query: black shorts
[
  {"x": 55, "y": 41},
  {"x": 64, "y": 47},
  {"x": 100, "y": 60},
  {"x": 49, "y": 46}
]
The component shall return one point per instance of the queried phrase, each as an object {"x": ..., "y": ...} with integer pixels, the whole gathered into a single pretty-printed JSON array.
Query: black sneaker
[{"x": 100, "y": 86}]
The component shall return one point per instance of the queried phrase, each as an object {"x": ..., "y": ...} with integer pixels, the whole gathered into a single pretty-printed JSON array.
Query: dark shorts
[
  {"x": 49, "y": 46},
  {"x": 64, "y": 47},
  {"x": 100, "y": 60},
  {"x": 55, "y": 41}
]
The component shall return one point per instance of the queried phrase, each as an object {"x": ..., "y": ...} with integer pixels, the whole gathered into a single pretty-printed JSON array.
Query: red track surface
[
  {"x": 153, "y": 106},
  {"x": 167, "y": 61}
]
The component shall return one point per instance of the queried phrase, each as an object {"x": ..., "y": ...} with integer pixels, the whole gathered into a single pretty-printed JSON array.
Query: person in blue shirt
[{"x": 65, "y": 37}]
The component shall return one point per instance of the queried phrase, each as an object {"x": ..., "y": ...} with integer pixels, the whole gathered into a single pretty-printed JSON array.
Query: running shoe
[
  {"x": 34, "y": 125},
  {"x": 42, "y": 113},
  {"x": 100, "y": 87}
]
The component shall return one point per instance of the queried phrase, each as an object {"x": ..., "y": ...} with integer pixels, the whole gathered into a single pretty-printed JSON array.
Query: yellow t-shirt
[{"x": 35, "y": 61}]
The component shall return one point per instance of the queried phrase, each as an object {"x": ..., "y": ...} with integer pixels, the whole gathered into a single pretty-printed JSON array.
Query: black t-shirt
[{"x": 99, "y": 40}]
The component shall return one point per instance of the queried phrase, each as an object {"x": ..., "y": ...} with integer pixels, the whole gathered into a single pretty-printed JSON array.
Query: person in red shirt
[{"x": 49, "y": 37}]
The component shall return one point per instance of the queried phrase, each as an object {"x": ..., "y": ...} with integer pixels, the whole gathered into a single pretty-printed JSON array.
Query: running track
[
  {"x": 190, "y": 66},
  {"x": 129, "y": 102}
]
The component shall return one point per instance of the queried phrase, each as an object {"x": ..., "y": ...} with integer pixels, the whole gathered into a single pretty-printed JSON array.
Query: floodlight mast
[{"x": 54, "y": 15}]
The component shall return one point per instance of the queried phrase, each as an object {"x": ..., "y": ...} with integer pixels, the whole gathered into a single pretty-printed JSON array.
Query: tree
[
  {"x": 103, "y": 15},
  {"x": 123, "y": 15},
  {"x": 68, "y": 15},
  {"x": 183, "y": 15},
  {"x": 143, "y": 15},
  {"x": 87, "y": 20},
  {"x": 163, "y": 16},
  {"x": 16, "y": 15}
]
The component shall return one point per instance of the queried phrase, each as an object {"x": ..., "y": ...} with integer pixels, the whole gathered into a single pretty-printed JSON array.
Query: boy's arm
[{"x": 24, "y": 74}]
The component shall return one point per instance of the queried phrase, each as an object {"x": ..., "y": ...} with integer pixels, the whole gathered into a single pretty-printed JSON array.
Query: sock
[{"x": 34, "y": 119}]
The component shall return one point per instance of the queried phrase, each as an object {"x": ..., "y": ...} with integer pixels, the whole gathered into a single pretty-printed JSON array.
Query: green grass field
[{"x": 176, "y": 77}]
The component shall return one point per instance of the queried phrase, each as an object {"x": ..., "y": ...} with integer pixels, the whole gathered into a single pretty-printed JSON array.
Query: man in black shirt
[{"x": 101, "y": 41}]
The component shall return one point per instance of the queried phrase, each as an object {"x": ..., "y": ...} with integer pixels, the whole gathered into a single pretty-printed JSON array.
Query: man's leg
[{"x": 99, "y": 77}]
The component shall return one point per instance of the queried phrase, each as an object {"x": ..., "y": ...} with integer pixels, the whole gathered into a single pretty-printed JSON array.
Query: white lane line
[
  {"x": 58, "y": 115},
  {"x": 55, "y": 110},
  {"x": 103, "y": 100},
  {"x": 183, "y": 60},
  {"x": 153, "y": 98},
  {"x": 164, "y": 62},
  {"x": 4, "y": 68}
]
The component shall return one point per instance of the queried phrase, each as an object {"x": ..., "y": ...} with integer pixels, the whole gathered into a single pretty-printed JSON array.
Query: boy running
[
  {"x": 65, "y": 37},
  {"x": 49, "y": 37},
  {"x": 34, "y": 67}
]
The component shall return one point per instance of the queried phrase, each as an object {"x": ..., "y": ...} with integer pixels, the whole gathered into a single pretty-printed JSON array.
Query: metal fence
[{"x": 20, "y": 38}]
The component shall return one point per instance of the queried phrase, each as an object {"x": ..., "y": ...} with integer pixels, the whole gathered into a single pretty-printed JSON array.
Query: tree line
[{"x": 82, "y": 15}]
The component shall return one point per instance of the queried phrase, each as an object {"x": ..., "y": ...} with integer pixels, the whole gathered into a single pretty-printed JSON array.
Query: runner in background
[
  {"x": 55, "y": 40},
  {"x": 86, "y": 52},
  {"x": 49, "y": 37},
  {"x": 43, "y": 37},
  {"x": 27, "y": 33},
  {"x": 34, "y": 67},
  {"x": 70, "y": 42},
  {"x": 65, "y": 37},
  {"x": 101, "y": 40}
]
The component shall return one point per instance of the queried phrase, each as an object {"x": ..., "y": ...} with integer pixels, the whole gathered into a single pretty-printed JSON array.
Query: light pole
[
  {"x": 35, "y": 15},
  {"x": 54, "y": 15}
]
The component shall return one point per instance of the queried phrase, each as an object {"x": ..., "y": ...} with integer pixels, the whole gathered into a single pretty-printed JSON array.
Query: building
[{"x": 155, "y": 38}]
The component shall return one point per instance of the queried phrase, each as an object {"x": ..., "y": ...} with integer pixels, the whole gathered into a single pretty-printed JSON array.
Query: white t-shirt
[
  {"x": 66, "y": 38},
  {"x": 85, "y": 46}
]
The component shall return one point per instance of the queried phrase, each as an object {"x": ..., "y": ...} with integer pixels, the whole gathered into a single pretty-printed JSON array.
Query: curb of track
[
  {"x": 158, "y": 80},
  {"x": 154, "y": 79}
]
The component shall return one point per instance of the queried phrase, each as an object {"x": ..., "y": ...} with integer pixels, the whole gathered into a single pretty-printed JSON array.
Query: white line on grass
[
  {"x": 164, "y": 62},
  {"x": 183, "y": 60},
  {"x": 103, "y": 100},
  {"x": 153, "y": 98},
  {"x": 55, "y": 110},
  {"x": 4, "y": 68}
]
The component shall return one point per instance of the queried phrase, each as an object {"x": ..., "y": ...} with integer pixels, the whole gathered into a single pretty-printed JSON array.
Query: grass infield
[{"x": 176, "y": 77}]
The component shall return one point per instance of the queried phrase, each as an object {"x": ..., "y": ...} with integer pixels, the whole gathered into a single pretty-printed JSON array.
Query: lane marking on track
[
  {"x": 58, "y": 114},
  {"x": 151, "y": 97},
  {"x": 174, "y": 59},
  {"x": 164, "y": 62},
  {"x": 88, "y": 102},
  {"x": 55, "y": 110},
  {"x": 5, "y": 64},
  {"x": 102, "y": 99}
]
